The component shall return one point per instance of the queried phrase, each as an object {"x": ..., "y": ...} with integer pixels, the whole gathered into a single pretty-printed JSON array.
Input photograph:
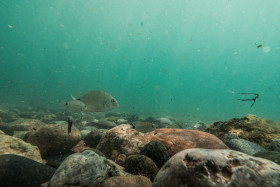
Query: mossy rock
[{"x": 252, "y": 128}]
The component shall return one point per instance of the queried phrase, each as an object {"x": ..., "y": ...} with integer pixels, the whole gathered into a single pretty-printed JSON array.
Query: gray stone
[
  {"x": 244, "y": 146},
  {"x": 274, "y": 156},
  {"x": 84, "y": 169},
  {"x": 211, "y": 168},
  {"x": 21, "y": 125},
  {"x": 275, "y": 145}
]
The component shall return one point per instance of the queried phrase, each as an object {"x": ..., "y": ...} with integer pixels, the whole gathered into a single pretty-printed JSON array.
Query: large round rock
[
  {"x": 207, "y": 167},
  {"x": 17, "y": 170},
  {"x": 85, "y": 169},
  {"x": 176, "y": 140},
  {"x": 54, "y": 139}
]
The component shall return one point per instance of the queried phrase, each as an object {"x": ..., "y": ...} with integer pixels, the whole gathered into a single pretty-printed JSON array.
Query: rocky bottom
[{"x": 119, "y": 149}]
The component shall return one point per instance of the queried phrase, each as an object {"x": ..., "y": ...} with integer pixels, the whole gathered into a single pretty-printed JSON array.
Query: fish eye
[{"x": 113, "y": 100}]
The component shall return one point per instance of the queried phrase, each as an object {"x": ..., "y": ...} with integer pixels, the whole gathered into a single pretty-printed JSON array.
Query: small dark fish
[
  {"x": 69, "y": 125},
  {"x": 259, "y": 46}
]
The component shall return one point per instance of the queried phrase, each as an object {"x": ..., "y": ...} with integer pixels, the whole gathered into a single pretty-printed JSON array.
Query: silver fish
[
  {"x": 99, "y": 101},
  {"x": 75, "y": 105}
]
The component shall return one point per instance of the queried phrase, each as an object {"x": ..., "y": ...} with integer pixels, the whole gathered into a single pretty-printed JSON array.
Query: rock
[
  {"x": 200, "y": 126},
  {"x": 90, "y": 128},
  {"x": 58, "y": 122},
  {"x": 48, "y": 118},
  {"x": 54, "y": 139},
  {"x": 13, "y": 145},
  {"x": 157, "y": 152},
  {"x": 164, "y": 122},
  {"x": 275, "y": 145},
  {"x": 80, "y": 147},
  {"x": 84, "y": 169},
  {"x": 103, "y": 124},
  {"x": 132, "y": 118},
  {"x": 120, "y": 159},
  {"x": 250, "y": 127},
  {"x": 274, "y": 156},
  {"x": 122, "y": 139},
  {"x": 21, "y": 134},
  {"x": 141, "y": 165},
  {"x": 121, "y": 121},
  {"x": 92, "y": 139},
  {"x": 84, "y": 133},
  {"x": 144, "y": 127},
  {"x": 21, "y": 125},
  {"x": 169, "y": 122},
  {"x": 111, "y": 114},
  {"x": 7, "y": 116},
  {"x": 55, "y": 161},
  {"x": 208, "y": 167},
  {"x": 127, "y": 181},
  {"x": 242, "y": 145},
  {"x": 16, "y": 170},
  {"x": 176, "y": 140}
]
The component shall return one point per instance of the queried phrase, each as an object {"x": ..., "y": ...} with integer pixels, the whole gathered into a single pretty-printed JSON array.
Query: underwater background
[{"x": 183, "y": 58}]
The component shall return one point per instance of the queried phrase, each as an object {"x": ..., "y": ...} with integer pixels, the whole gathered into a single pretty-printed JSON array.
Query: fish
[
  {"x": 75, "y": 105},
  {"x": 99, "y": 101}
]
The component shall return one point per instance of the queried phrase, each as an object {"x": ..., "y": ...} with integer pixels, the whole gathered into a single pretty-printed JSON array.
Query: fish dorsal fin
[{"x": 73, "y": 98}]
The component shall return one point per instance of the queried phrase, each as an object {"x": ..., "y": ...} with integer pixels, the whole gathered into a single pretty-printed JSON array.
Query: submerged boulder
[
  {"x": 208, "y": 167},
  {"x": 13, "y": 145},
  {"x": 274, "y": 156},
  {"x": 157, "y": 152},
  {"x": 21, "y": 124},
  {"x": 85, "y": 169},
  {"x": 122, "y": 139},
  {"x": 17, "y": 170},
  {"x": 176, "y": 140},
  {"x": 141, "y": 165},
  {"x": 55, "y": 139},
  {"x": 127, "y": 181},
  {"x": 244, "y": 146},
  {"x": 251, "y": 128}
]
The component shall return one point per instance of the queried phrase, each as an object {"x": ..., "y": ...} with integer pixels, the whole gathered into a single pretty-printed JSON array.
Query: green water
[{"x": 179, "y": 58}]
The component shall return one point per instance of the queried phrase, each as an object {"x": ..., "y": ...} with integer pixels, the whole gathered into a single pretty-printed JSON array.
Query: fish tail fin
[{"x": 73, "y": 98}]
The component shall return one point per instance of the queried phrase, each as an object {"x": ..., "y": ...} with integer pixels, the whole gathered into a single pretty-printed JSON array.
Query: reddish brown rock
[
  {"x": 177, "y": 140},
  {"x": 127, "y": 181},
  {"x": 123, "y": 139},
  {"x": 80, "y": 147}
]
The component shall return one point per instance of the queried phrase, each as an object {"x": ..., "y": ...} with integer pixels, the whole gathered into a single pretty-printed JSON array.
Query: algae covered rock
[
  {"x": 141, "y": 165},
  {"x": 54, "y": 139},
  {"x": 157, "y": 152},
  {"x": 251, "y": 128},
  {"x": 13, "y": 145},
  {"x": 17, "y": 170}
]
